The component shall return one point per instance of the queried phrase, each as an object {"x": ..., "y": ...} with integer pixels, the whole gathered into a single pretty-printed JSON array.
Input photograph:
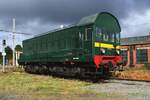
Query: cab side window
[
  {"x": 117, "y": 37},
  {"x": 105, "y": 37},
  {"x": 88, "y": 34}
]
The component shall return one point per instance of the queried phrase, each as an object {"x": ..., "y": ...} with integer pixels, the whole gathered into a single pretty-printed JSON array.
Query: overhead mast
[
  {"x": 13, "y": 38},
  {"x": 13, "y": 31}
]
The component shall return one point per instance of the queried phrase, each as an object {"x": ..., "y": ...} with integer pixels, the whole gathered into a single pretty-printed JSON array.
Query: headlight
[
  {"x": 118, "y": 52},
  {"x": 103, "y": 51}
]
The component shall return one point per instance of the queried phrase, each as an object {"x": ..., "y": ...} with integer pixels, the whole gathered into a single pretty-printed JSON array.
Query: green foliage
[
  {"x": 21, "y": 83},
  {"x": 9, "y": 52},
  {"x": 18, "y": 48},
  {"x": 147, "y": 66},
  {"x": 1, "y": 58}
]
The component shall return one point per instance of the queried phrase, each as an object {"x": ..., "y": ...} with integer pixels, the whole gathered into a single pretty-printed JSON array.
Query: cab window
[
  {"x": 99, "y": 33},
  {"x": 111, "y": 37},
  {"x": 117, "y": 38},
  {"x": 105, "y": 37},
  {"x": 88, "y": 34}
]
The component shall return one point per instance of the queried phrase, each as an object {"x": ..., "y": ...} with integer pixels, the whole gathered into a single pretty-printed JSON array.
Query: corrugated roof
[
  {"x": 135, "y": 40},
  {"x": 88, "y": 20}
]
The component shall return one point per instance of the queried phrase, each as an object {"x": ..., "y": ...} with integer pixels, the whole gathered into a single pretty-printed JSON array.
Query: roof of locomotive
[
  {"x": 55, "y": 30},
  {"x": 84, "y": 21},
  {"x": 87, "y": 20}
]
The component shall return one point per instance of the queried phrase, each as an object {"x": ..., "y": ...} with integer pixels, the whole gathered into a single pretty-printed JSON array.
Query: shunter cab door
[{"x": 88, "y": 41}]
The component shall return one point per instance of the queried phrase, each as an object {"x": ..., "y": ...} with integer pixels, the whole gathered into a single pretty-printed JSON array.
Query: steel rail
[{"x": 130, "y": 80}]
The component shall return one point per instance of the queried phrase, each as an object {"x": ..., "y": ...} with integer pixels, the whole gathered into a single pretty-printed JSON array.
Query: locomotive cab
[{"x": 106, "y": 40}]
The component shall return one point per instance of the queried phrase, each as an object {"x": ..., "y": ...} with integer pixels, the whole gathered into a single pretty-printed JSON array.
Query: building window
[
  {"x": 124, "y": 54},
  {"x": 141, "y": 56}
]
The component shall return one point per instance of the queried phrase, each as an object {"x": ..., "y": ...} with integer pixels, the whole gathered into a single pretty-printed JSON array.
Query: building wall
[{"x": 132, "y": 53}]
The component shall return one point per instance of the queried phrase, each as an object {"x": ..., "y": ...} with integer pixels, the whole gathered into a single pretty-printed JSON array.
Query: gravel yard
[{"x": 120, "y": 89}]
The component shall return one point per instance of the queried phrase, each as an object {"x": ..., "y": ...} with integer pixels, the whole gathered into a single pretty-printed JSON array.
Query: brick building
[{"x": 136, "y": 50}]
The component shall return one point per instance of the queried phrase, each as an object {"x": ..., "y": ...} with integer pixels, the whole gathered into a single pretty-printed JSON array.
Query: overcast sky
[{"x": 37, "y": 16}]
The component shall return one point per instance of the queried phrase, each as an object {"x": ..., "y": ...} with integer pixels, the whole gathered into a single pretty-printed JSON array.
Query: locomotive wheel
[{"x": 106, "y": 71}]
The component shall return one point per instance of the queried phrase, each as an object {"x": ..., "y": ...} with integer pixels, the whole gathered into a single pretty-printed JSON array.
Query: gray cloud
[
  {"x": 64, "y": 11},
  {"x": 47, "y": 14}
]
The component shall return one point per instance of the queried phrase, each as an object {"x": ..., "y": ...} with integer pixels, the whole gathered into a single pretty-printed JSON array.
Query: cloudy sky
[{"x": 37, "y": 16}]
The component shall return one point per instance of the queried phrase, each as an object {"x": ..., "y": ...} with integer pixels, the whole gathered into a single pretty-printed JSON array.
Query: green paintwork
[
  {"x": 109, "y": 24},
  {"x": 71, "y": 43}
]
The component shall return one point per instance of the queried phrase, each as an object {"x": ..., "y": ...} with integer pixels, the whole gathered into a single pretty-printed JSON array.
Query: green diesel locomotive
[{"x": 88, "y": 48}]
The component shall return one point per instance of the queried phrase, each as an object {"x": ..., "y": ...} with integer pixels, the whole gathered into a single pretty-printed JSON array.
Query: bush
[{"x": 147, "y": 66}]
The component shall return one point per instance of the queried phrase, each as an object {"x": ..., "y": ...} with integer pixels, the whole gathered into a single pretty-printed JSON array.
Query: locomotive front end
[{"x": 106, "y": 52}]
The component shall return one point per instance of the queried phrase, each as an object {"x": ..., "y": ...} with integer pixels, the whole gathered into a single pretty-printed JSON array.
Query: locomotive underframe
[{"x": 70, "y": 69}]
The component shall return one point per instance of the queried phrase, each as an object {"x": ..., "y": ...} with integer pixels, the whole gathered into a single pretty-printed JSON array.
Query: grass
[
  {"x": 15, "y": 83},
  {"x": 26, "y": 82},
  {"x": 38, "y": 86},
  {"x": 137, "y": 73}
]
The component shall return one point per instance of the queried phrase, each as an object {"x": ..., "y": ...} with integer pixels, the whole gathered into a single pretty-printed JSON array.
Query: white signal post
[
  {"x": 13, "y": 31},
  {"x": 3, "y": 54}
]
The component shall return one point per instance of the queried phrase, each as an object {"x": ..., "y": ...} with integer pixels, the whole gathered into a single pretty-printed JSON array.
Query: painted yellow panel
[
  {"x": 118, "y": 47},
  {"x": 105, "y": 45},
  {"x": 97, "y": 44}
]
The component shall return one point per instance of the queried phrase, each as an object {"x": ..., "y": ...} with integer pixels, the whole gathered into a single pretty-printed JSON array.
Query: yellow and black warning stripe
[{"x": 105, "y": 45}]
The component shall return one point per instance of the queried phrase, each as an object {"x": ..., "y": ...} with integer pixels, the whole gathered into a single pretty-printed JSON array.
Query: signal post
[{"x": 3, "y": 54}]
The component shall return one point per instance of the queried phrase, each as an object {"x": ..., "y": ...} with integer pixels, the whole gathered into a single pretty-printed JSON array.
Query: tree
[
  {"x": 9, "y": 52},
  {"x": 18, "y": 48},
  {"x": 1, "y": 58}
]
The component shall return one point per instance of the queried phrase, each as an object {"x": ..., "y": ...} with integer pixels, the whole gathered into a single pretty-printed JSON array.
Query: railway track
[{"x": 130, "y": 80}]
